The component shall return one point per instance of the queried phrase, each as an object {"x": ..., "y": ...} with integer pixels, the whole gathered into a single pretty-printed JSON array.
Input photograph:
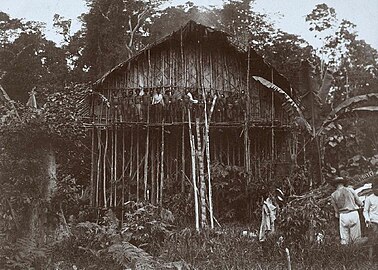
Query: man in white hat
[{"x": 346, "y": 204}]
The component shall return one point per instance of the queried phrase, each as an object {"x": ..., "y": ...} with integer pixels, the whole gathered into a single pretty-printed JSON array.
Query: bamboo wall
[{"x": 173, "y": 68}]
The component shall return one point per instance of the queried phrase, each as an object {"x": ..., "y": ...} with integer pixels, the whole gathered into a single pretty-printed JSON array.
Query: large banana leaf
[
  {"x": 366, "y": 109},
  {"x": 346, "y": 107},
  {"x": 352, "y": 101},
  {"x": 289, "y": 102}
]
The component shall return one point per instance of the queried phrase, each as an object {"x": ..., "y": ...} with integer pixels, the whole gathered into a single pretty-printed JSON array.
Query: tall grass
[{"x": 228, "y": 249}]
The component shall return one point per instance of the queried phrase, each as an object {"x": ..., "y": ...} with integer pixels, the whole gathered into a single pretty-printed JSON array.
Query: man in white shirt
[
  {"x": 371, "y": 218},
  {"x": 346, "y": 204}
]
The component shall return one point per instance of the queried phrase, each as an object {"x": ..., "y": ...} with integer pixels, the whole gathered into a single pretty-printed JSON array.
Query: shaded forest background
[{"x": 113, "y": 31}]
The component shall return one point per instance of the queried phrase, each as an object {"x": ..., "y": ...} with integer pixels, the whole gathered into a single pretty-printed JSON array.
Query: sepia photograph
[{"x": 189, "y": 134}]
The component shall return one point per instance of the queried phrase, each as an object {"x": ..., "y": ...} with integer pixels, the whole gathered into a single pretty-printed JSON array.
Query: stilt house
[{"x": 144, "y": 114}]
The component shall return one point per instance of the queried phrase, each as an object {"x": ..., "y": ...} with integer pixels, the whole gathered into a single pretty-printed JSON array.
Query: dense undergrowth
[{"x": 150, "y": 239}]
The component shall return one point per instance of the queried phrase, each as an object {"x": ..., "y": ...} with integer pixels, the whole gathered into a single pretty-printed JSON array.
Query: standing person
[
  {"x": 158, "y": 105},
  {"x": 268, "y": 217},
  {"x": 346, "y": 204},
  {"x": 138, "y": 104},
  {"x": 371, "y": 219}
]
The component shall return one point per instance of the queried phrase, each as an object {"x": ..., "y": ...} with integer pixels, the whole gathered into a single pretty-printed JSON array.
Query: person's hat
[
  {"x": 280, "y": 195},
  {"x": 339, "y": 180}
]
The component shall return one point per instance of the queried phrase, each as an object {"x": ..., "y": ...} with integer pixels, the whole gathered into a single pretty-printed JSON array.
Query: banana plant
[{"x": 350, "y": 107}]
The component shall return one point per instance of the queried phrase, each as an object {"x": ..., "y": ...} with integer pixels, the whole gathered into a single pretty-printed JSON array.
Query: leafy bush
[
  {"x": 26, "y": 253},
  {"x": 182, "y": 206},
  {"x": 237, "y": 199},
  {"x": 302, "y": 219},
  {"x": 87, "y": 245},
  {"x": 146, "y": 225},
  {"x": 26, "y": 141},
  {"x": 98, "y": 246}
]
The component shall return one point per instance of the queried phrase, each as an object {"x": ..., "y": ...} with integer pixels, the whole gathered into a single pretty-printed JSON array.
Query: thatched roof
[{"x": 196, "y": 31}]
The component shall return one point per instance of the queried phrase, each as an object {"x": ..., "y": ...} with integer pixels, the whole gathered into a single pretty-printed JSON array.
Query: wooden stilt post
[
  {"x": 176, "y": 161},
  {"x": 115, "y": 165},
  {"x": 131, "y": 163},
  {"x": 272, "y": 139},
  {"x": 228, "y": 149},
  {"x": 256, "y": 156},
  {"x": 146, "y": 162},
  {"x": 153, "y": 183},
  {"x": 233, "y": 150},
  {"x": 123, "y": 174},
  {"x": 247, "y": 157},
  {"x": 201, "y": 176},
  {"x": 183, "y": 155},
  {"x": 161, "y": 165},
  {"x": 111, "y": 165},
  {"x": 247, "y": 116},
  {"x": 215, "y": 152},
  {"x": 137, "y": 166},
  {"x": 247, "y": 143},
  {"x": 98, "y": 166},
  {"x": 207, "y": 145},
  {"x": 194, "y": 177},
  {"x": 104, "y": 166},
  {"x": 304, "y": 149},
  {"x": 157, "y": 179},
  {"x": 93, "y": 167},
  {"x": 238, "y": 154}
]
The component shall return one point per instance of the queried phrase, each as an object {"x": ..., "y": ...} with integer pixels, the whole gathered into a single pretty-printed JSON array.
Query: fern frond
[
  {"x": 89, "y": 226},
  {"x": 27, "y": 252},
  {"x": 126, "y": 254}
]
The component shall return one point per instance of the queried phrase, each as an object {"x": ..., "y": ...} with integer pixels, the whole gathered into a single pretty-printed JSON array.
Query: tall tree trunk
[
  {"x": 51, "y": 172},
  {"x": 37, "y": 219}
]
